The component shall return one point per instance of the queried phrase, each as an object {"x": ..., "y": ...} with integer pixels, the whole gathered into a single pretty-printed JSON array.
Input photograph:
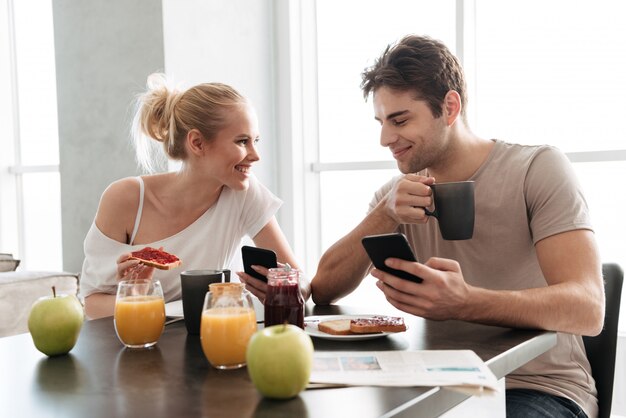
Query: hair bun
[{"x": 157, "y": 81}]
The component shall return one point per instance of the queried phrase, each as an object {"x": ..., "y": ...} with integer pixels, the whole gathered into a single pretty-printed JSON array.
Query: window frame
[{"x": 12, "y": 169}]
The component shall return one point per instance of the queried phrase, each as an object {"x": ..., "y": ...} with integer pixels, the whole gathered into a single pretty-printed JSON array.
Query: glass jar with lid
[{"x": 283, "y": 301}]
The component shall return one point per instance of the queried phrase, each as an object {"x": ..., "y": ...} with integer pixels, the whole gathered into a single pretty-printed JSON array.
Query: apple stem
[{"x": 54, "y": 291}]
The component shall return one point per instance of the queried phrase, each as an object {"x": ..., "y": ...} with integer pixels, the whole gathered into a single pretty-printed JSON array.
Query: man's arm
[
  {"x": 572, "y": 302},
  {"x": 571, "y": 260},
  {"x": 344, "y": 265}
]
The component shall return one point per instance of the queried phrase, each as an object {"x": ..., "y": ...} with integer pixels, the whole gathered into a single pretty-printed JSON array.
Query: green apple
[
  {"x": 54, "y": 323},
  {"x": 279, "y": 360}
]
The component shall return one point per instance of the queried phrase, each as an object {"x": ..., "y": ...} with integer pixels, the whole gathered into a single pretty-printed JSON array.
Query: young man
[{"x": 532, "y": 261}]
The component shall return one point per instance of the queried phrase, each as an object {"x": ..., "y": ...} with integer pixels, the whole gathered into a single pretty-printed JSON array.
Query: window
[
  {"x": 535, "y": 82},
  {"x": 348, "y": 132},
  {"x": 29, "y": 172}
]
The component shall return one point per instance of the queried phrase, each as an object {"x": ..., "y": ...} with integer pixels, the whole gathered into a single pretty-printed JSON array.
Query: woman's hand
[
  {"x": 255, "y": 286},
  {"x": 128, "y": 269},
  {"x": 259, "y": 288}
]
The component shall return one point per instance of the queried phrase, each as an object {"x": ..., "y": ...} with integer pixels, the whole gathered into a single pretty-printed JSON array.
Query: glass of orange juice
[
  {"x": 139, "y": 313},
  {"x": 228, "y": 321}
]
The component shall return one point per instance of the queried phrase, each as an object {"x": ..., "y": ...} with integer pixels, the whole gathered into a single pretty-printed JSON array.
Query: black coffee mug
[
  {"x": 454, "y": 209},
  {"x": 194, "y": 285}
]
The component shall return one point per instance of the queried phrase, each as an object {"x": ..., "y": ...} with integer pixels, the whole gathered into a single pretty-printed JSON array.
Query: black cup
[
  {"x": 454, "y": 209},
  {"x": 194, "y": 285}
]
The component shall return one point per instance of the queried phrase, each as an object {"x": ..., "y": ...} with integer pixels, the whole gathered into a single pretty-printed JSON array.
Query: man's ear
[
  {"x": 452, "y": 106},
  {"x": 195, "y": 142}
]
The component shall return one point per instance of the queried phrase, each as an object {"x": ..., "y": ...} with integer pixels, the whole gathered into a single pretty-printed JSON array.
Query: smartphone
[
  {"x": 258, "y": 257},
  {"x": 381, "y": 247}
]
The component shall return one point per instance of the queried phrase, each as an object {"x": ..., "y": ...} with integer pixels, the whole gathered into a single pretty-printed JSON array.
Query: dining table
[{"x": 101, "y": 378}]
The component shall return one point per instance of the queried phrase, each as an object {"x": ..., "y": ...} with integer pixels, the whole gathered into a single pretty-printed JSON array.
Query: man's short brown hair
[{"x": 419, "y": 64}]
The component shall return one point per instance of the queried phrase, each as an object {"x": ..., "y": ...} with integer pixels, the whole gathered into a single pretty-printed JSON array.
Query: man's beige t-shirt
[{"x": 522, "y": 195}]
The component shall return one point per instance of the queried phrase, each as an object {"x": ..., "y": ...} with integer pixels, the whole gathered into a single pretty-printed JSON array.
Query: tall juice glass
[
  {"x": 228, "y": 321},
  {"x": 139, "y": 313}
]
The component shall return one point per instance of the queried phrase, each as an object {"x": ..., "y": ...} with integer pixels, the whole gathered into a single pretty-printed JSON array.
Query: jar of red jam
[{"x": 283, "y": 301}]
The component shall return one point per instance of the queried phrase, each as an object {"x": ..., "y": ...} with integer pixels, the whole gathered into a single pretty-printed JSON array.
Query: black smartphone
[
  {"x": 257, "y": 257},
  {"x": 381, "y": 247}
]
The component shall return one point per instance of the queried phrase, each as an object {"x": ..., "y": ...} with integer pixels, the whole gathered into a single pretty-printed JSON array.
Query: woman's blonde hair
[{"x": 166, "y": 115}]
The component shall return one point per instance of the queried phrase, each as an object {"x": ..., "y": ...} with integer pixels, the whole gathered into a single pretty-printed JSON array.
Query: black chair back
[{"x": 602, "y": 348}]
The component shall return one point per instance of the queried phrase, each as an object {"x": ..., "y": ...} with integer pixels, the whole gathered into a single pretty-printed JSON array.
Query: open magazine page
[{"x": 404, "y": 368}]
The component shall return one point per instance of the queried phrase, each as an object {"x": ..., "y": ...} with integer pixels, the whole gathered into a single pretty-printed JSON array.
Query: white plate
[
  {"x": 174, "y": 309},
  {"x": 310, "y": 326}
]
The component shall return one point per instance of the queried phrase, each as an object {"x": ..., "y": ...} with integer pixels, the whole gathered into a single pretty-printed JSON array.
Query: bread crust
[
  {"x": 168, "y": 266},
  {"x": 377, "y": 324}
]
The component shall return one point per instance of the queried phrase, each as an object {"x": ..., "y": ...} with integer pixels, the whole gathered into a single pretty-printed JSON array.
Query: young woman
[{"x": 199, "y": 213}]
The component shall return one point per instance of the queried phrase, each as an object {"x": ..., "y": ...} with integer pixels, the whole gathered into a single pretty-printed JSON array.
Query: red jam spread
[{"x": 154, "y": 255}]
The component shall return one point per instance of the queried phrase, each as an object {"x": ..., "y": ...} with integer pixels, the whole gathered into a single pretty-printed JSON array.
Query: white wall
[
  {"x": 229, "y": 42},
  {"x": 104, "y": 51}
]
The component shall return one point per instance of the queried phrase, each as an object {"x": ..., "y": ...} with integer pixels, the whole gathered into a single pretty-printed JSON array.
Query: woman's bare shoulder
[
  {"x": 120, "y": 193},
  {"x": 118, "y": 208}
]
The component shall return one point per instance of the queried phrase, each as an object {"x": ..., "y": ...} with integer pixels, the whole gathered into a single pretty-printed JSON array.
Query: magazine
[{"x": 459, "y": 369}]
